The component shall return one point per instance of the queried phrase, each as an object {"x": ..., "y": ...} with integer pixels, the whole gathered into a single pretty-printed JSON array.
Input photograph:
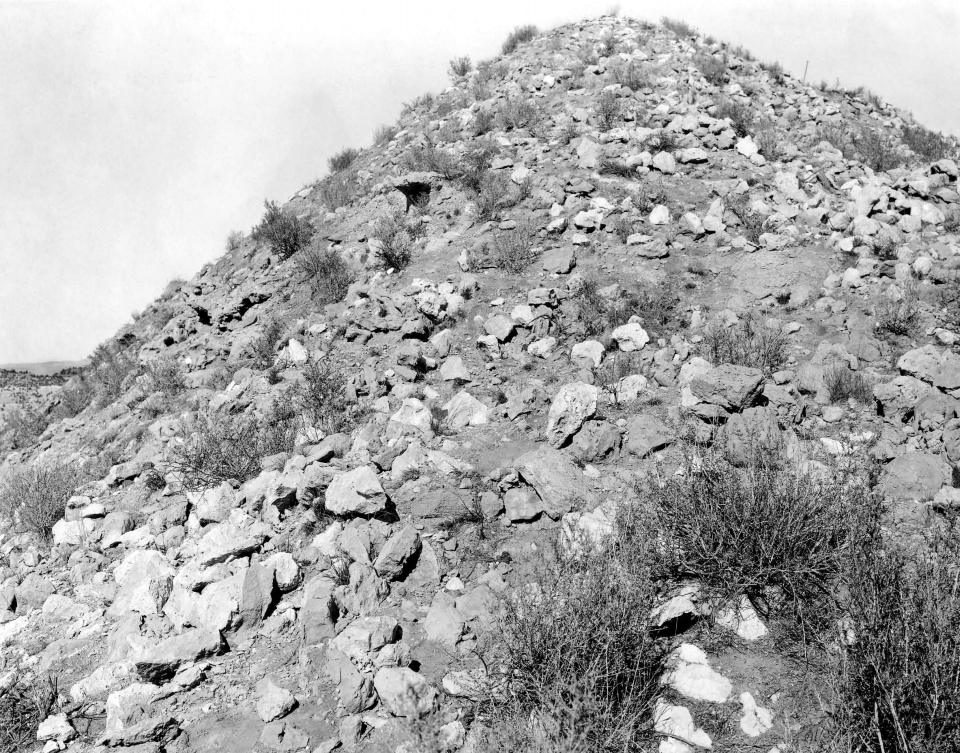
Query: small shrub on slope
[
  {"x": 327, "y": 273},
  {"x": 772, "y": 530},
  {"x": 394, "y": 240},
  {"x": 216, "y": 447},
  {"x": 342, "y": 159},
  {"x": 749, "y": 342},
  {"x": 33, "y": 499},
  {"x": 899, "y": 684},
  {"x": 520, "y": 35},
  {"x": 576, "y": 644},
  {"x": 282, "y": 230},
  {"x": 24, "y": 704}
]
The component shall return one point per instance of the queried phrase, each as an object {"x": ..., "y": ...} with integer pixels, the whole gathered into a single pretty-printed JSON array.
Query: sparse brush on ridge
[
  {"x": 342, "y": 159},
  {"x": 516, "y": 113},
  {"x": 714, "y": 69},
  {"x": 234, "y": 239},
  {"x": 384, "y": 134},
  {"x": 633, "y": 75},
  {"x": 520, "y": 35},
  {"x": 678, "y": 27},
  {"x": 282, "y": 230},
  {"x": 321, "y": 397},
  {"x": 877, "y": 151},
  {"x": 111, "y": 371},
  {"x": 928, "y": 145},
  {"x": 749, "y": 342},
  {"x": 609, "y": 111},
  {"x": 337, "y": 191},
  {"x": 23, "y": 424},
  {"x": 460, "y": 67},
  {"x": 741, "y": 116}
]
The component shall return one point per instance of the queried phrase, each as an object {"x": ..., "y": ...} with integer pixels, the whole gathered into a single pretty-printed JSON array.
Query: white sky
[{"x": 135, "y": 136}]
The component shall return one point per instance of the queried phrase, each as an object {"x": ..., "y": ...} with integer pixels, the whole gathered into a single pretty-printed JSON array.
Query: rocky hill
[{"x": 607, "y": 402}]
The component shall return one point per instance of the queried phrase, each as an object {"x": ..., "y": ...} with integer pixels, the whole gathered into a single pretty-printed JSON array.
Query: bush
[
  {"x": 898, "y": 313},
  {"x": 166, "y": 376},
  {"x": 394, "y": 241},
  {"x": 617, "y": 167},
  {"x": 877, "y": 151},
  {"x": 775, "y": 70},
  {"x": 516, "y": 113},
  {"x": 385, "y": 134},
  {"x": 263, "y": 349},
  {"x": 520, "y": 35},
  {"x": 576, "y": 644},
  {"x": 282, "y": 230},
  {"x": 623, "y": 227},
  {"x": 216, "y": 447},
  {"x": 75, "y": 396},
  {"x": 321, "y": 396},
  {"x": 773, "y": 530},
  {"x": 475, "y": 163},
  {"x": 714, "y": 69},
  {"x": 655, "y": 305},
  {"x": 740, "y": 115},
  {"x": 751, "y": 222},
  {"x": 342, "y": 159},
  {"x": 608, "y": 111},
  {"x": 430, "y": 158},
  {"x": 769, "y": 142},
  {"x": 749, "y": 342},
  {"x": 483, "y": 122},
  {"x": 24, "y": 424},
  {"x": 337, "y": 191},
  {"x": 927, "y": 144},
  {"x": 514, "y": 250},
  {"x": 111, "y": 370},
  {"x": 492, "y": 196},
  {"x": 327, "y": 273},
  {"x": 460, "y": 67},
  {"x": 661, "y": 141},
  {"x": 33, "y": 499},
  {"x": 679, "y": 28},
  {"x": 24, "y": 704},
  {"x": 632, "y": 75},
  {"x": 234, "y": 240},
  {"x": 842, "y": 384},
  {"x": 899, "y": 684}
]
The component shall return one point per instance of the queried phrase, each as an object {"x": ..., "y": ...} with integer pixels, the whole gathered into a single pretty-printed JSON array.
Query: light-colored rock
[
  {"x": 573, "y": 404},
  {"x": 404, "y": 692},
  {"x": 273, "y": 701},
  {"x": 693, "y": 677},
  {"x": 356, "y": 492},
  {"x": 630, "y": 337},
  {"x": 755, "y": 720}
]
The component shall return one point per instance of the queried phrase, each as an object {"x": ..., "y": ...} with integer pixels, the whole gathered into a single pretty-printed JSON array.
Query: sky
[{"x": 135, "y": 136}]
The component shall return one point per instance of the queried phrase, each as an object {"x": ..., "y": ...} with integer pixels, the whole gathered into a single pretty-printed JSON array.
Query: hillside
[{"x": 606, "y": 402}]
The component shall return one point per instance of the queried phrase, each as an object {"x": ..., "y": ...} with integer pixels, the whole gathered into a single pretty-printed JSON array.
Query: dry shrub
[
  {"x": 877, "y": 151},
  {"x": 514, "y": 250},
  {"x": 576, "y": 644},
  {"x": 520, "y": 35},
  {"x": 282, "y": 230},
  {"x": 493, "y": 195},
  {"x": 337, "y": 191},
  {"x": 327, "y": 273},
  {"x": 215, "y": 446},
  {"x": 773, "y": 529},
  {"x": 166, "y": 376},
  {"x": 680, "y": 28},
  {"x": 608, "y": 111},
  {"x": 927, "y": 144},
  {"x": 460, "y": 67},
  {"x": 384, "y": 134},
  {"x": 24, "y": 703},
  {"x": 842, "y": 384},
  {"x": 741, "y": 116},
  {"x": 898, "y": 313},
  {"x": 342, "y": 159},
  {"x": 517, "y": 112},
  {"x": 749, "y": 342},
  {"x": 263, "y": 348},
  {"x": 633, "y": 75},
  {"x": 394, "y": 238},
  {"x": 714, "y": 69},
  {"x": 24, "y": 424},
  {"x": 751, "y": 223},
  {"x": 33, "y": 499},
  {"x": 234, "y": 240},
  {"x": 899, "y": 684},
  {"x": 321, "y": 397},
  {"x": 112, "y": 368},
  {"x": 655, "y": 305}
]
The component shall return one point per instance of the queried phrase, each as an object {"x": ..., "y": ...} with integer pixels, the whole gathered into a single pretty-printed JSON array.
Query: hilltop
[{"x": 606, "y": 402}]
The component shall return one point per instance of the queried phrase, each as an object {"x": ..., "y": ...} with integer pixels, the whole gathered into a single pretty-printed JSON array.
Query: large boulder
[
  {"x": 404, "y": 692},
  {"x": 647, "y": 434},
  {"x": 356, "y": 492},
  {"x": 558, "y": 482},
  {"x": 727, "y": 386},
  {"x": 145, "y": 581},
  {"x": 914, "y": 476},
  {"x": 574, "y": 403}
]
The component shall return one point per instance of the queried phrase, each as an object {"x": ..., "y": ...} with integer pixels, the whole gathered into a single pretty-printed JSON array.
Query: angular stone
[
  {"x": 573, "y": 404},
  {"x": 404, "y": 692},
  {"x": 647, "y": 434},
  {"x": 558, "y": 482},
  {"x": 356, "y": 492}
]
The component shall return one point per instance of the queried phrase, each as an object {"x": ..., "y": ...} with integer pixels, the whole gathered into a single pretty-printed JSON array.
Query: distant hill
[{"x": 44, "y": 368}]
